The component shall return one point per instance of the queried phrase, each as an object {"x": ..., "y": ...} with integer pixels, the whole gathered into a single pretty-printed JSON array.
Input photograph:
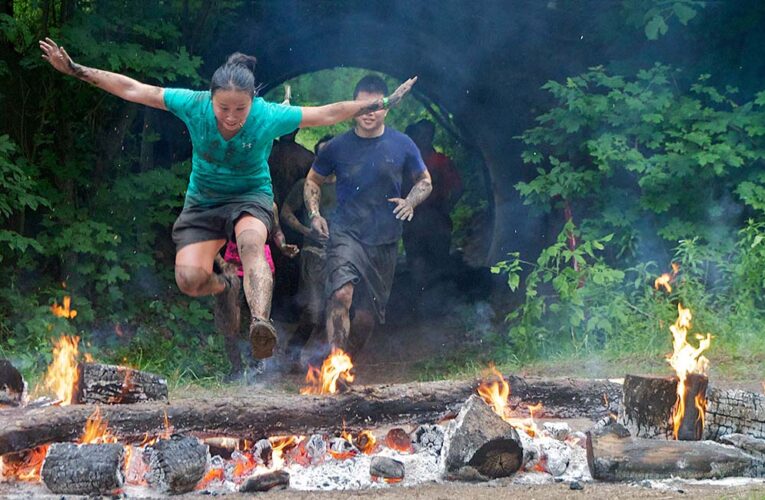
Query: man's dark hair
[
  {"x": 372, "y": 84},
  {"x": 238, "y": 73}
]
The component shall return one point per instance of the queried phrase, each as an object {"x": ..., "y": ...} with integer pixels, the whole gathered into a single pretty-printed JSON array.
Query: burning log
[
  {"x": 11, "y": 384},
  {"x": 87, "y": 469},
  {"x": 481, "y": 439},
  {"x": 252, "y": 417},
  {"x": 734, "y": 411},
  {"x": 650, "y": 404},
  {"x": 177, "y": 464},
  {"x": 276, "y": 480},
  {"x": 109, "y": 384},
  {"x": 614, "y": 458}
]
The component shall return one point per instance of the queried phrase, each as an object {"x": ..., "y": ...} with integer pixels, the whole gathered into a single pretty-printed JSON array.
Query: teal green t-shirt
[{"x": 235, "y": 170}]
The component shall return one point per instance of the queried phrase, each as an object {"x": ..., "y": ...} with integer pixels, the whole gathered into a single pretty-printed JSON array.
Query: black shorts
[{"x": 198, "y": 224}]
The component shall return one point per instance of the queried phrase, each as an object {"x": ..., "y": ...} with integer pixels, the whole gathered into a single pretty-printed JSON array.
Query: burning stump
[
  {"x": 177, "y": 464},
  {"x": 88, "y": 469},
  {"x": 479, "y": 438},
  {"x": 109, "y": 384}
]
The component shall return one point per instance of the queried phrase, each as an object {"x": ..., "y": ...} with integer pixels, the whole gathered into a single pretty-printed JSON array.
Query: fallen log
[
  {"x": 613, "y": 458},
  {"x": 87, "y": 469},
  {"x": 110, "y": 384},
  {"x": 256, "y": 416}
]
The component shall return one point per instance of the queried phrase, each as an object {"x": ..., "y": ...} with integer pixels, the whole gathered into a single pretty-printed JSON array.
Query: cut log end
[
  {"x": 88, "y": 469},
  {"x": 177, "y": 464}
]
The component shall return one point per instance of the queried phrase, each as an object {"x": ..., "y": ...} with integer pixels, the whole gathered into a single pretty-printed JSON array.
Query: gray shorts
[{"x": 196, "y": 224}]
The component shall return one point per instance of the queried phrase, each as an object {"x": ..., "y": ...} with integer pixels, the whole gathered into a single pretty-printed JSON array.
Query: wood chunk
[
  {"x": 478, "y": 437},
  {"x": 747, "y": 443},
  {"x": 276, "y": 480},
  {"x": 177, "y": 464},
  {"x": 11, "y": 385},
  {"x": 692, "y": 424},
  {"x": 611, "y": 458},
  {"x": 110, "y": 384},
  {"x": 387, "y": 468},
  {"x": 86, "y": 469},
  {"x": 647, "y": 406},
  {"x": 732, "y": 411}
]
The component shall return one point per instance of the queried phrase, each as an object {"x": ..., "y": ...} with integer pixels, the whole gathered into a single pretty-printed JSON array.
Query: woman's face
[{"x": 231, "y": 108}]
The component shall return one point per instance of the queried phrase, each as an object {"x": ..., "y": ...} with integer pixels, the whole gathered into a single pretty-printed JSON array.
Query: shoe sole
[{"x": 263, "y": 341}]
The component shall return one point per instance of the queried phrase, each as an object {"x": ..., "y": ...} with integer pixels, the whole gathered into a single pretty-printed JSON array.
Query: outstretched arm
[
  {"x": 405, "y": 207},
  {"x": 114, "y": 83},
  {"x": 340, "y": 111}
]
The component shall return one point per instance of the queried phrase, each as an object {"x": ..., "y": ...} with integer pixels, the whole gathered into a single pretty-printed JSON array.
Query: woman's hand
[{"x": 57, "y": 57}]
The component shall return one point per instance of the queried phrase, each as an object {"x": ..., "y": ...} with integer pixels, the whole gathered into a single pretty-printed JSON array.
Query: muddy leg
[{"x": 338, "y": 316}]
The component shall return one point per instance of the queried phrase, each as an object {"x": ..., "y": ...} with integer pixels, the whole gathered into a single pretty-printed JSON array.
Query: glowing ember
[
  {"x": 495, "y": 390},
  {"x": 686, "y": 359},
  {"x": 279, "y": 445},
  {"x": 212, "y": 475},
  {"x": 366, "y": 442},
  {"x": 337, "y": 367},
  {"x": 97, "y": 430},
  {"x": 61, "y": 376},
  {"x": 24, "y": 467},
  {"x": 64, "y": 310},
  {"x": 665, "y": 279},
  {"x": 398, "y": 439}
]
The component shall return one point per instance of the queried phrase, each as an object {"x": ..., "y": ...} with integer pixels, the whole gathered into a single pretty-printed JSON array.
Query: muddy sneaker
[
  {"x": 226, "y": 312},
  {"x": 262, "y": 338}
]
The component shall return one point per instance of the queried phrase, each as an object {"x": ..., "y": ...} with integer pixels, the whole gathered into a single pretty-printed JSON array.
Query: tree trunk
[
  {"x": 256, "y": 416},
  {"x": 88, "y": 469},
  {"x": 611, "y": 458}
]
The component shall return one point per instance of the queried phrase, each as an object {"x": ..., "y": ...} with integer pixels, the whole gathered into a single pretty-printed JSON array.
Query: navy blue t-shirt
[{"x": 369, "y": 171}]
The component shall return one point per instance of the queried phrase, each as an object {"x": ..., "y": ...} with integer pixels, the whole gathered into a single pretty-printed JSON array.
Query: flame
[
  {"x": 495, "y": 390},
  {"x": 366, "y": 442},
  {"x": 686, "y": 359},
  {"x": 530, "y": 425},
  {"x": 337, "y": 366},
  {"x": 665, "y": 279},
  {"x": 280, "y": 444},
  {"x": 97, "y": 430},
  {"x": 64, "y": 311},
  {"x": 212, "y": 475},
  {"x": 61, "y": 376},
  {"x": 27, "y": 468}
]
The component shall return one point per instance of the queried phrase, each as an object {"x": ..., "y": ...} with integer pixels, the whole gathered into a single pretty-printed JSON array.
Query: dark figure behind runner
[{"x": 370, "y": 162}]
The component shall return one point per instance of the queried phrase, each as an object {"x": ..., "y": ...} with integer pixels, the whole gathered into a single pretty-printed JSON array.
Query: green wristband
[{"x": 385, "y": 103}]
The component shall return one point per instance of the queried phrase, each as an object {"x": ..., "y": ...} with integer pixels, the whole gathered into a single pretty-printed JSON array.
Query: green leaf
[
  {"x": 655, "y": 27},
  {"x": 683, "y": 12}
]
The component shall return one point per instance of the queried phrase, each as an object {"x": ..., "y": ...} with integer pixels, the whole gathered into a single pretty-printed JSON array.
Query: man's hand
[
  {"x": 319, "y": 228},
  {"x": 404, "y": 209},
  {"x": 57, "y": 56},
  {"x": 289, "y": 250},
  {"x": 401, "y": 91}
]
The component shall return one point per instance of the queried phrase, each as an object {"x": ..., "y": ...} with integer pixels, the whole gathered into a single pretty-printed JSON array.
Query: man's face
[{"x": 372, "y": 122}]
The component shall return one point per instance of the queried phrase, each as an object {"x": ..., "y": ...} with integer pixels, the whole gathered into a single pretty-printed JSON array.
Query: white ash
[{"x": 556, "y": 430}]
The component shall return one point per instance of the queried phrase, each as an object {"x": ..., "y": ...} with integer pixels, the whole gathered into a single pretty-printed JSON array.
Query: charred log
[
  {"x": 386, "y": 468},
  {"x": 87, "y": 469},
  {"x": 479, "y": 438},
  {"x": 647, "y": 406},
  {"x": 254, "y": 417},
  {"x": 691, "y": 426},
  {"x": 177, "y": 464},
  {"x": 109, "y": 384},
  {"x": 276, "y": 480},
  {"x": 613, "y": 458},
  {"x": 734, "y": 411}
]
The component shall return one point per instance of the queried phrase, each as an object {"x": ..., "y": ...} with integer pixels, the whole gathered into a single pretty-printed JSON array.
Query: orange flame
[
  {"x": 530, "y": 426},
  {"x": 64, "y": 311},
  {"x": 97, "y": 430},
  {"x": 686, "y": 359},
  {"x": 665, "y": 279},
  {"x": 337, "y": 366},
  {"x": 212, "y": 475},
  {"x": 61, "y": 376},
  {"x": 27, "y": 468},
  {"x": 366, "y": 442},
  {"x": 495, "y": 390},
  {"x": 280, "y": 444}
]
